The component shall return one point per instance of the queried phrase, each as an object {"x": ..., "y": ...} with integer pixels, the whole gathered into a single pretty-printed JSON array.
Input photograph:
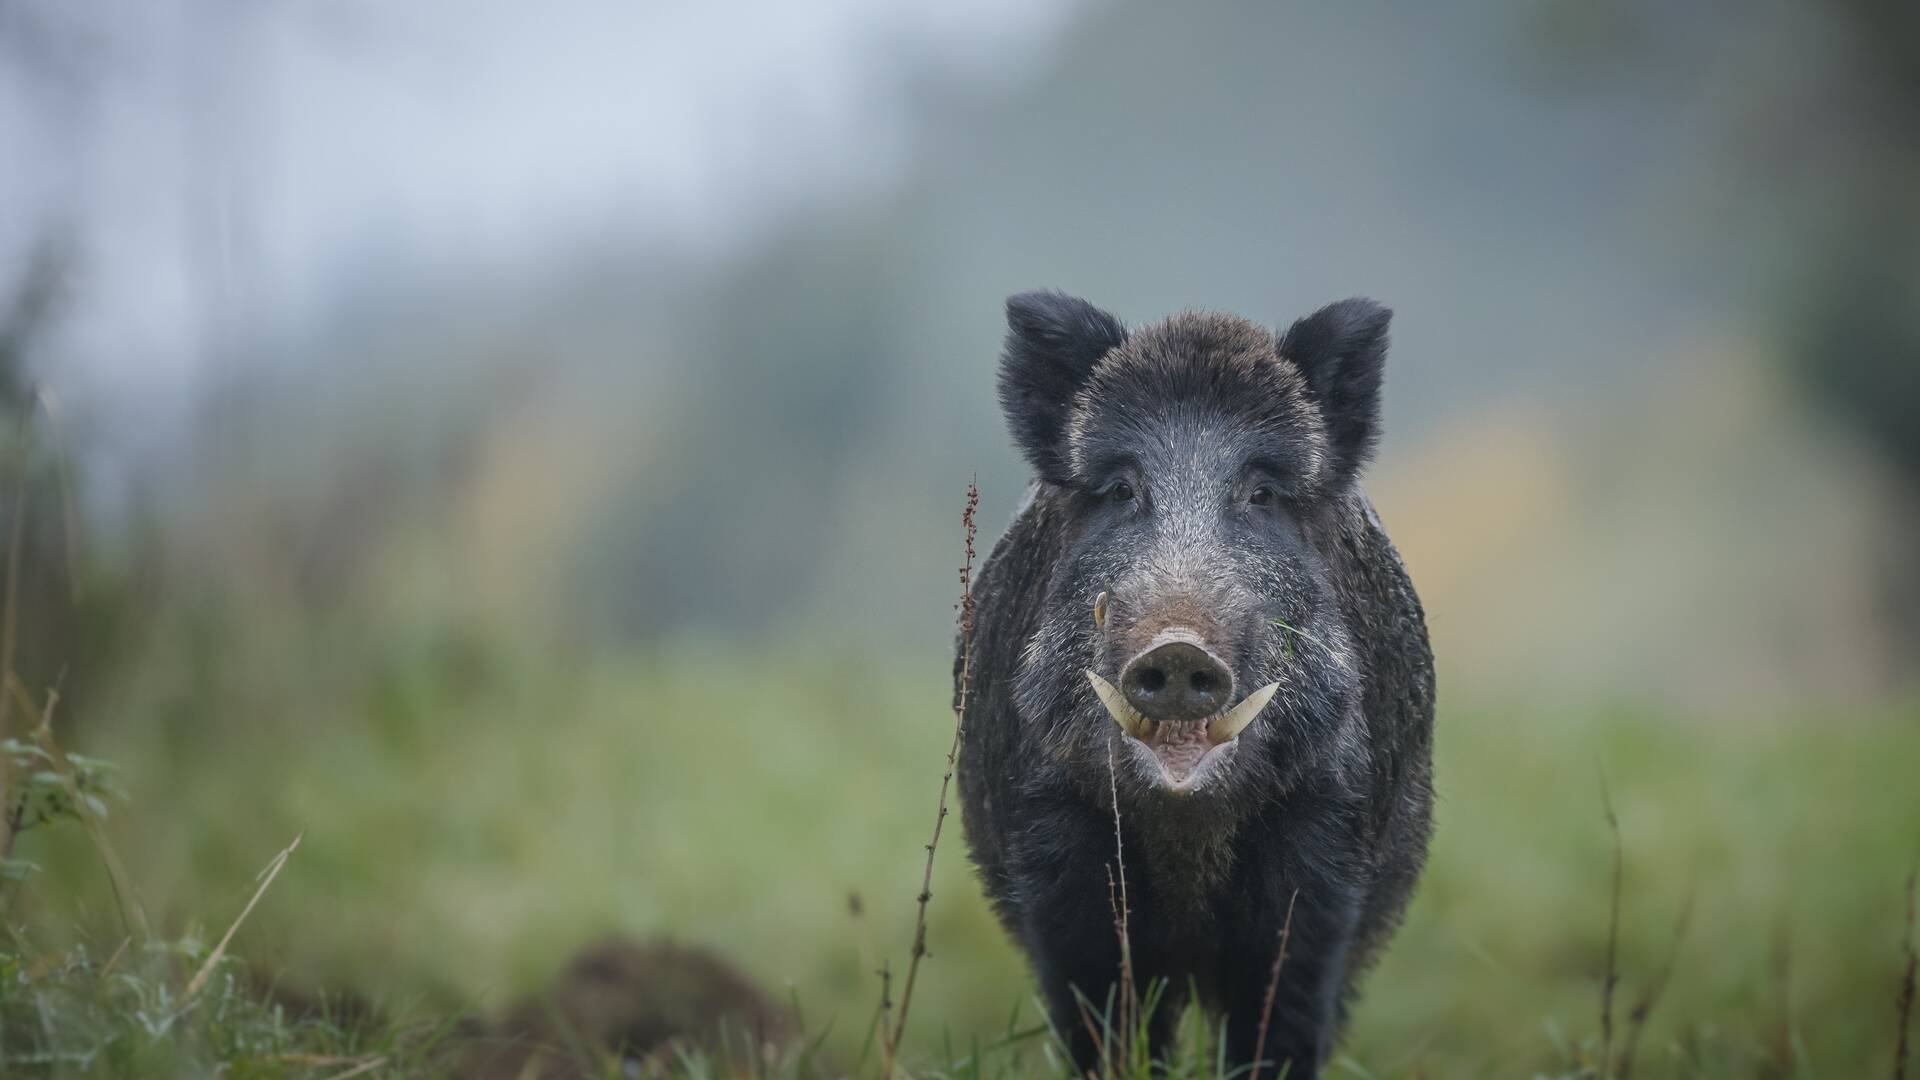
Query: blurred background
[{"x": 524, "y": 447}]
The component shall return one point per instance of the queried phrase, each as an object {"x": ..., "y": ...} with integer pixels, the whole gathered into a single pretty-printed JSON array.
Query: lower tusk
[
  {"x": 1227, "y": 726},
  {"x": 1125, "y": 715}
]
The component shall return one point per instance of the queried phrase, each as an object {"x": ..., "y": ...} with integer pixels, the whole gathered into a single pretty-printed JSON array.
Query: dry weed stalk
[
  {"x": 1273, "y": 988},
  {"x": 883, "y": 1016},
  {"x": 1610, "y": 978},
  {"x": 1649, "y": 998},
  {"x": 361, "y": 1069},
  {"x": 266, "y": 880},
  {"x": 1100, "y": 1042},
  {"x": 1903, "y": 1005},
  {"x": 919, "y": 951},
  {"x": 1127, "y": 1000},
  {"x": 863, "y": 931},
  {"x": 1780, "y": 1034}
]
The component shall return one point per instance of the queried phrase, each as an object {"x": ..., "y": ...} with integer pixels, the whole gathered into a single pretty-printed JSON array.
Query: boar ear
[
  {"x": 1053, "y": 342},
  {"x": 1341, "y": 349}
]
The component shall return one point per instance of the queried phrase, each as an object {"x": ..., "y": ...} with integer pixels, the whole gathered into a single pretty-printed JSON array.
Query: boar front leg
[
  {"x": 1306, "y": 999},
  {"x": 1067, "y": 923}
]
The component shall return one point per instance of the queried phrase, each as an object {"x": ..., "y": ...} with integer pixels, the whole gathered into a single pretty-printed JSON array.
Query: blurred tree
[
  {"x": 1853, "y": 338},
  {"x": 1820, "y": 103},
  {"x": 64, "y": 616},
  {"x": 1857, "y": 340}
]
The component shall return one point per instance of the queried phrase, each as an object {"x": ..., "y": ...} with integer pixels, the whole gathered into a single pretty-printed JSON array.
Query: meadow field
[{"x": 470, "y": 818}]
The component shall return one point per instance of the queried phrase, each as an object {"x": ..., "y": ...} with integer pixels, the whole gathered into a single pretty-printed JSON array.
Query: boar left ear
[
  {"x": 1053, "y": 342},
  {"x": 1342, "y": 349}
]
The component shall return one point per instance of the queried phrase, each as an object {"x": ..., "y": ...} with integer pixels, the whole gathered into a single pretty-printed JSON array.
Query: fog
[
  {"x": 721, "y": 283},
  {"x": 229, "y": 175}
]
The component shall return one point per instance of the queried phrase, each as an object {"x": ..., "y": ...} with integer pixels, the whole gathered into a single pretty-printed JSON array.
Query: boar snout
[{"x": 1178, "y": 680}]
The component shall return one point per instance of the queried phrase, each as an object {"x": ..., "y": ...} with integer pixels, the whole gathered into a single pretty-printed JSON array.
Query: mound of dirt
[{"x": 638, "y": 1003}]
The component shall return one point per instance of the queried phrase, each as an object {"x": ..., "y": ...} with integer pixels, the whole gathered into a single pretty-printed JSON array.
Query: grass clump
[
  {"x": 152, "y": 1006},
  {"x": 74, "y": 1013}
]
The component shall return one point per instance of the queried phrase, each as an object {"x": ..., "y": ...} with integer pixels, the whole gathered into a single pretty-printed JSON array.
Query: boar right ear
[
  {"x": 1341, "y": 350},
  {"x": 1053, "y": 342}
]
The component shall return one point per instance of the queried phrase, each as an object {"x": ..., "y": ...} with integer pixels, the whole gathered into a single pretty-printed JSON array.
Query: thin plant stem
[
  {"x": 919, "y": 950},
  {"x": 1610, "y": 978},
  {"x": 1128, "y": 1002},
  {"x": 1903, "y": 1004},
  {"x": 1273, "y": 988},
  {"x": 1650, "y": 998}
]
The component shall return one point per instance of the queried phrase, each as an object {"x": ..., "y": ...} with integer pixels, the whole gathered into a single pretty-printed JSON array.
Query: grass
[
  {"x": 472, "y": 817},
  {"x": 78, "y": 1013}
]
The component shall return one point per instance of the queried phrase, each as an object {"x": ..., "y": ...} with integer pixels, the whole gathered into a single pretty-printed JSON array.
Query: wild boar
[{"x": 1197, "y": 614}]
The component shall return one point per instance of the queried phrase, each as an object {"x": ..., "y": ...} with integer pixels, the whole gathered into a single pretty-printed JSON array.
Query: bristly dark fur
[{"x": 1329, "y": 793}]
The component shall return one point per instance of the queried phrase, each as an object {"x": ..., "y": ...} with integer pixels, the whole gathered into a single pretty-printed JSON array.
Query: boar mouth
[{"x": 1182, "y": 750}]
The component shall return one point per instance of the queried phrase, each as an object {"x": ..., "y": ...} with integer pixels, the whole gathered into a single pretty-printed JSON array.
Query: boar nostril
[{"x": 1176, "y": 681}]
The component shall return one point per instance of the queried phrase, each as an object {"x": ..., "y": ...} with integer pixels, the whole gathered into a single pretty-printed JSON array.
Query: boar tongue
[{"x": 1179, "y": 747}]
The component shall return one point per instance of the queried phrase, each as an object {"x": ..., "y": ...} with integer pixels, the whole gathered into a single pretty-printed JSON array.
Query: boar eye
[
  {"x": 1262, "y": 496},
  {"x": 1120, "y": 491}
]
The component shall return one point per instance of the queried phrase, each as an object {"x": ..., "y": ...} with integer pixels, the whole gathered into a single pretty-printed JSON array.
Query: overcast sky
[{"x": 224, "y": 170}]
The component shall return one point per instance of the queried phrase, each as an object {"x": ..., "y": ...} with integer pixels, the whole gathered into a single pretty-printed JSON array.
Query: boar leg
[
  {"x": 1067, "y": 923},
  {"x": 1306, "y": 1010}
]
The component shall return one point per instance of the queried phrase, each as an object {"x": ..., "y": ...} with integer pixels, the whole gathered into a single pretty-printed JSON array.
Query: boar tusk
[
  {"x": 1100, "y": 612},
  {"x": 1228, "y": 725},
  {"x": 1125, "y": 715}
]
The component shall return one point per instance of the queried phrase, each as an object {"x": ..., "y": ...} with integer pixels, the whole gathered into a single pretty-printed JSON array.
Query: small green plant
[{"x": 40, "y": 795}]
